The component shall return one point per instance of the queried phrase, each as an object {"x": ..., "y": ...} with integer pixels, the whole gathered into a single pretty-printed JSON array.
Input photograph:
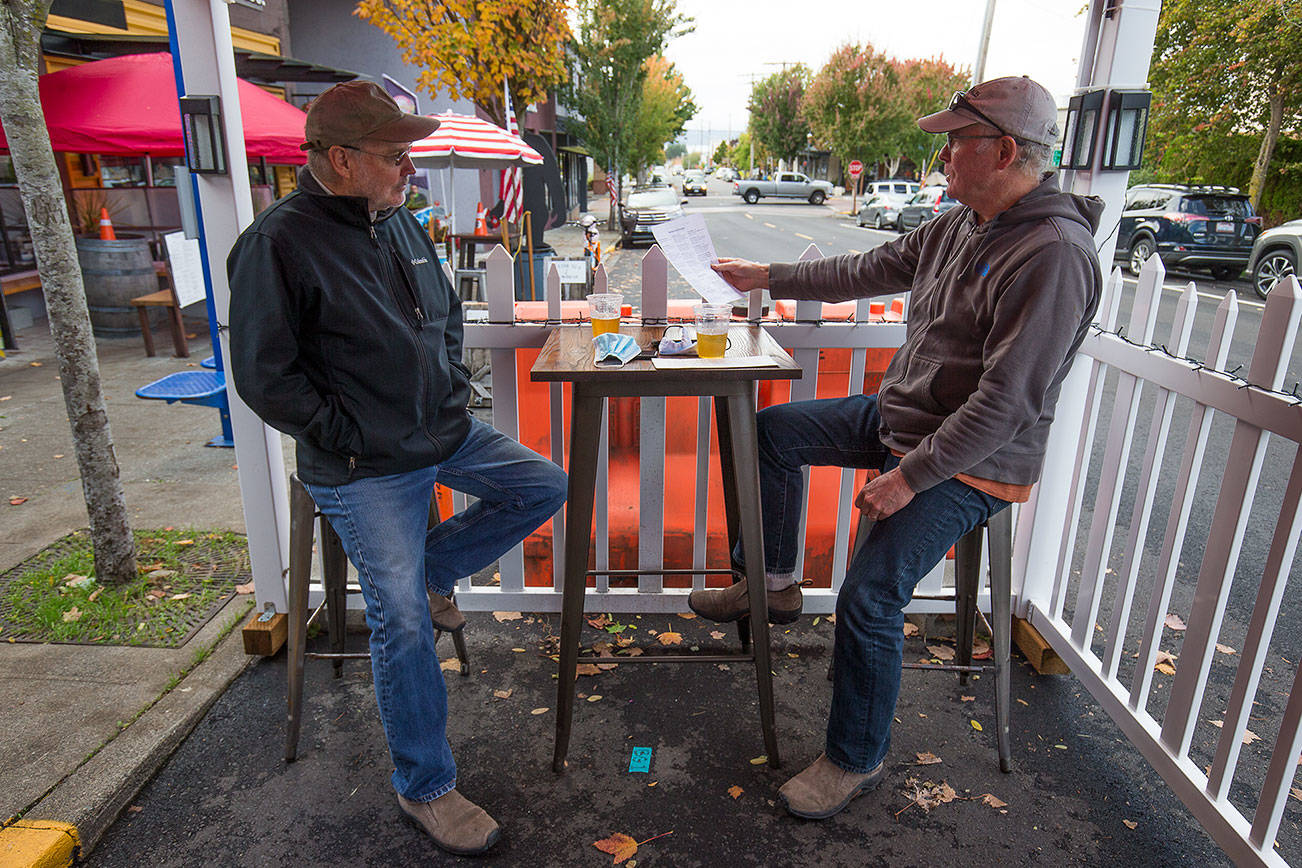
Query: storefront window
[
  {"x": 164, "y": 170},
  {"x": 122, "y": 171}
]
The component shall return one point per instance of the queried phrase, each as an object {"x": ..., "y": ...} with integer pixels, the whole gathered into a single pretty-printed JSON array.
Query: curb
[{"x": 76, "y": 813}]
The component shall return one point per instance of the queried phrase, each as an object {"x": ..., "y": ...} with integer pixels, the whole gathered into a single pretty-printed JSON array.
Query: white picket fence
[
  {"x": 1089, "y": 613},
  {"x": 503, "y": 336}
]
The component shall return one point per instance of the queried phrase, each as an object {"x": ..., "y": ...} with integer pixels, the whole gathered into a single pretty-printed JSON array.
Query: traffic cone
[
  {"x": 106, "y": 232},
  {"x": 481, "y": 223}
]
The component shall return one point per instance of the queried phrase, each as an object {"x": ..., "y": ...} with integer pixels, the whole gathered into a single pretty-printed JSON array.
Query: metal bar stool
[
  {"x": 967, "y": 582},
  {"x": 334, "y": 578}
]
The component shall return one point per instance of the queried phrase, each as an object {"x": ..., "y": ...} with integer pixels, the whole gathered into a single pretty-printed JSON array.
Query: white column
[
  {"x": 1115, "y": 54},
  {"x": 201, "y": 34}
]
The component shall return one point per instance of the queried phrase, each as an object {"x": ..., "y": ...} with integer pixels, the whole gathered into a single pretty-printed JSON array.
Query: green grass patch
[{"x": 183, "y": 576}]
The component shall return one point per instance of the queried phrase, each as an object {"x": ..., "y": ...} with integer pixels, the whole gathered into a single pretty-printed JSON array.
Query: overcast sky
[{"x": 735, "y": 41}]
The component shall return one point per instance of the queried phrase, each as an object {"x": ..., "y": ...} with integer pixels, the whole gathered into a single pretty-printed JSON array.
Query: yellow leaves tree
[{"x": 465, "y": 48}]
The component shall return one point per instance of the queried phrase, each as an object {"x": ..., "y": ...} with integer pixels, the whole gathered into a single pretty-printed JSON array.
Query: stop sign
[{"x": 856, "y": 168}]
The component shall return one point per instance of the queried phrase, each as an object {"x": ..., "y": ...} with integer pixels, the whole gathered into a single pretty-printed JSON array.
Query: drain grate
[{"x": 208, "y": 569}]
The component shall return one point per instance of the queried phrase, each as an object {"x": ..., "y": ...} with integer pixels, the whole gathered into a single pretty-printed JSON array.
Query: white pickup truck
[{"x": 789, "y": 185}]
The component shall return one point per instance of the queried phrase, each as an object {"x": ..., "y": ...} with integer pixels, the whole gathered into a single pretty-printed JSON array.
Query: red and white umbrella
[{"x": 464, "y": 142}]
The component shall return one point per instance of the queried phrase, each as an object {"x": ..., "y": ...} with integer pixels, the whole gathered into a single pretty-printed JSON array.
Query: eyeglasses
[
  {"x": 950, "y": 138},
  {"x": 394, "y": 159},
  {"x": 960, "y": 101}
]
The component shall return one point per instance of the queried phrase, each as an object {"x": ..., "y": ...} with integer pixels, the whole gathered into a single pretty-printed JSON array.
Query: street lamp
[{"x": 205, "y": 138}]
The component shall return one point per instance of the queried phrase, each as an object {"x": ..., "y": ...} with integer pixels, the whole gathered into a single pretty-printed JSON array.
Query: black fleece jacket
[{"x": 345, "y": 334}]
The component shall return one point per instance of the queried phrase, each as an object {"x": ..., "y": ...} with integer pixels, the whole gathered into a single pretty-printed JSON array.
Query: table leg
[
  {"x": 585, "y": 436},
  {"x": 724, "y": 428},
  {"x": 745, "y": 459}
]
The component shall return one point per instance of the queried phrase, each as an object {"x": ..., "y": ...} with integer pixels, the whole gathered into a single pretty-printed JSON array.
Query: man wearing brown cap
[
  {"x": 346, "y": 335},
  {"x": 1003, "y": 291}
]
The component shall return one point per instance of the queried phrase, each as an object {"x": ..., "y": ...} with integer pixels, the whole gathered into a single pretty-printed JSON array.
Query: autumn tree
[
  {"x": 1223, "y": 68},
  {"x": 926, "y": 86},
  {"x": 720, "y": 155},
  {"x": 608, "y": 68},
  {"x": 775, "y": 119},
  {"x": 467, "y": 47},
  {"x": 854, "y": 105},
  {"x": 65, "y": 299},
  {"x": 666, "y": 108}
]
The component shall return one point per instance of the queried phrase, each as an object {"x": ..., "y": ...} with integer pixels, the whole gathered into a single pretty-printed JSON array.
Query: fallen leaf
[
  {"x": 157, "y": 594},
  {"x": 670, "y": 638},
  {"x": 73, "y": 614},
  {"x": 180, "y": 596},
  {"x": 687, "y": 616},
  {"x": 941, "y": 652},
  {"x": 993, "y": 801},
  {"x": 543, "y": 710},
  {"x": 35, "y": 364},
  {"x": 717, "y": 634},
  {"x": 94, "y": 595},
  {"x": 599, "y": 622},
  {"x": 1024, "y": 702},
  {"x": 976, "y": 726},
  {"x": 967, "y": 699},
  {"x": 135, "y": 809},
  {"x": 507, "y": 616},
  {"x": 586, "y": 669},
  {"x": 910, "y": 629},
  {"x": 496, "y": 579},
  {"x": 981, "y": 650},
  {"x": 927, "y": 759},
  {"x": 927, "y": 795},
  {"x": 1165, "y": 656},
  {"x": 596, "y": 697},
  {"x": 793, "y": 655},
  {"x": 502, "y": 694},
  {"x": 633, "y": 652},
  {"x": 619, "y": 845},
  {"x": 17, "y": 501},
  {"x": 735, "y": 791},
  {"x": 244, "y": 589},
  {"x": 58, "y": 455},
  {"x": 816, "y": 620},
  {"x": 1165, "y": 668},
  {"x": 1174, "y": 621},
  {"x": 518, "y": 650},
  {"x": 602, "y": 649},
  {"x": 185, "y": 542},
  {"x": 1224, "y": 649},
  {"x": 1129, "y": 824},
  {"x": 452, "y": 664},
  {"x": 161, "y": 574},
  {"x": 74, "y": 580},
  {"x": 1295, "y": 793},
  {"x": 759, "y": 760},
  {"x": 606, "y": 667}
]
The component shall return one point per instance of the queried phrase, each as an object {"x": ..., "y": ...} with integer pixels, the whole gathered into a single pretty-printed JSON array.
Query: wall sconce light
[
  {"x": 205, "y": 138},
  {"x": 1127, "y": 128},
  {"x": 1083, "y": 112}
]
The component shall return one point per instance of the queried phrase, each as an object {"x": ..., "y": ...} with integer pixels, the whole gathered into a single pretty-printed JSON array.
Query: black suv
[{"x": 1189, "y": 227}]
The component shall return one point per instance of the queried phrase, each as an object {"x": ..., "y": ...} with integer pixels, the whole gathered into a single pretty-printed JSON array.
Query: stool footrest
[
  {"x": 674, "y": 658},
  {"x": 338, "y": 655}
]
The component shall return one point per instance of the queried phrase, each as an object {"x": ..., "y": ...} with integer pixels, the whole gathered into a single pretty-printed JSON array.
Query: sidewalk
[{"x": 83, "y": 728}]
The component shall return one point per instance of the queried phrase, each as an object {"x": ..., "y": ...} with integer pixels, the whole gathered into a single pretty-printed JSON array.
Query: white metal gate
[{"x": 1087, "y": 607}]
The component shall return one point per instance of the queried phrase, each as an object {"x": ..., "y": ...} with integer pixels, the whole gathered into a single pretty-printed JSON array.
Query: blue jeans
[
  {"x": 879, "y": 582},
  {"x": 381, "y": 522}
]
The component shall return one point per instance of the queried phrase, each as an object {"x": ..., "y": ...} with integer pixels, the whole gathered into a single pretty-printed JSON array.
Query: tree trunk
[
  {"x": 1267, "y": 150},
  {"x": 65, "y": 299}
]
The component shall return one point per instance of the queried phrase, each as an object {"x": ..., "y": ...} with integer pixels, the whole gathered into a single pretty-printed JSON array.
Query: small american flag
[{"x": 512, "y": 191}]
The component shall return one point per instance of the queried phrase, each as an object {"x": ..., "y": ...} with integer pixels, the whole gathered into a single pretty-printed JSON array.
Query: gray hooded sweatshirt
[{"x": 997, "y": 313}]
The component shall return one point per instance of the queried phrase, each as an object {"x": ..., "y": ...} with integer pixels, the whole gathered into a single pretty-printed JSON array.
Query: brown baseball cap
[
  {"x": 1015, "y": 105},
  {"x": 356, "y": 110}
]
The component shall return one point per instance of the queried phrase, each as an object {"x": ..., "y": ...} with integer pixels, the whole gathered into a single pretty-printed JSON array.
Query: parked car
[
  {"x": 883, "y": 200},
  {"x": 694, "y": 183},
  {"x": 727, "y": 173},
  {"x": 1192, "y": 227},
  {"x": 1275, "y": 254},
  {"x": 788, "y": 185},
  {"x": 881, "y": 211},
  {"x": 647, "y": 206},
  {"x": 926, "y": 204}
]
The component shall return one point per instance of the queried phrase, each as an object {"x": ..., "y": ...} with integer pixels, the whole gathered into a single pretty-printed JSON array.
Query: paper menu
[{"x": 686, "y": 244}]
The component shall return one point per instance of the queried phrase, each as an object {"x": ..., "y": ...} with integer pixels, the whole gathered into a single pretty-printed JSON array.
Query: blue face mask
[
  {"x": 678, "y": 340},
  {"x": 613, "y": 350}
]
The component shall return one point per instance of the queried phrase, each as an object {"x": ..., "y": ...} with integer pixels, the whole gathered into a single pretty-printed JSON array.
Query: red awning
[{"x": 128, "y": 105}]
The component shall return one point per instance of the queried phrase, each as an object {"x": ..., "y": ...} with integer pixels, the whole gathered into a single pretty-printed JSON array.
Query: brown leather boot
[
  {"x": 825, "y": 788},
  {"x": 444, "y": 614},
  {"x": 455, "y": 823},
  {"x": 731, "y": 603}
]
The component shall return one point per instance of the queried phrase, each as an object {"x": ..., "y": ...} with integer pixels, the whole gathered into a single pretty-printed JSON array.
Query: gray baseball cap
[{"x": 1014, "y": 105}]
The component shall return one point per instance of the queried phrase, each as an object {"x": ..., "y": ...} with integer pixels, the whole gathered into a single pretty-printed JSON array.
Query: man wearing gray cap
[
  {"x": 346, "y": 335},
  {"x": 1003, "y": 291}
]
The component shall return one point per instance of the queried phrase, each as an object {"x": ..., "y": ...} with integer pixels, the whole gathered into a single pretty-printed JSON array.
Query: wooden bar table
[
  {"x": 467, "y": 242},
  {"x": 567, "y": 356}
]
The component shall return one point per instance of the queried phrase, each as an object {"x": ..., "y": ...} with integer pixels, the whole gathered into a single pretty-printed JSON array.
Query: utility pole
[{"x": 983, "y": 47}]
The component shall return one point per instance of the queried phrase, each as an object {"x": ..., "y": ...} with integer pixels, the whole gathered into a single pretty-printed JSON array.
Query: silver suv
[{"x": 1275, "y": 254}]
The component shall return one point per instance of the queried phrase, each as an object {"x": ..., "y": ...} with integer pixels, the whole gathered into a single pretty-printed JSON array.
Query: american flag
[{"x": 512, "y": 186}]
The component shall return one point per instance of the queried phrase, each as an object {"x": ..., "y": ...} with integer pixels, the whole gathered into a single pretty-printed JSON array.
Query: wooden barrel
[{"x": 114, "y": 272}]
